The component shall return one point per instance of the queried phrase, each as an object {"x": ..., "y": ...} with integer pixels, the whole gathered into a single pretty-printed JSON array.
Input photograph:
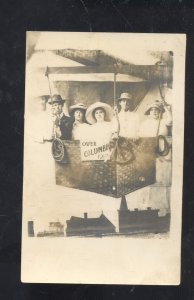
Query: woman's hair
[
  {"x": 119, "y": 106},
  {"x": 97, "y": 108},
  {"x": 158, "y": 109}
]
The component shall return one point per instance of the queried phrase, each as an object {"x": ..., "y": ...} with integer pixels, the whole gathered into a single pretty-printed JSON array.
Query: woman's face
[
  {"x": 79, "y": 114},
  {"x": 154, "y": 113},
  {"x": 99, "y": 115}
]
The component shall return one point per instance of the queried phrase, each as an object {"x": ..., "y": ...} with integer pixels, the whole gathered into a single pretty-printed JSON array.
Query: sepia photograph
[{"x": 103, "y": 158}]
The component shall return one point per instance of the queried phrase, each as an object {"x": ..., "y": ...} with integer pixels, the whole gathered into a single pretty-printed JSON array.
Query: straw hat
[
  {"x": 89, "y": 113},
  {"x": 127, "y": 96},
  {"x": 156, "y": 104},
  {"x": 79, "y": 106},
  {"x": 56, "y": 99}
]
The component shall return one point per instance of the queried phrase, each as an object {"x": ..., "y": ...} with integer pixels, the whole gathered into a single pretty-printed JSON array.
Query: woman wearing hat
[
  {"x": 80, "y": 127},
  {"x": 155, "y": 123},
  {"x": 99, "y": 115},
  {"x": 159, "y": 119},
  {"x": 127, "y": 122}
]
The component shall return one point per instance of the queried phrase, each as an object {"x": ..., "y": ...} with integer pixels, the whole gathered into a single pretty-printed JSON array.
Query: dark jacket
[{"x": 66, "y": 125}]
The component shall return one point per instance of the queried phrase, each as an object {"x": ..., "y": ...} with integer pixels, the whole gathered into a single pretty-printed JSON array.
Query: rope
[
  {"x": 115, "y": 103},
  {"x": 122, "y": 150},
  {"x": 167, "y": 147},
  {"x": 58, "y": 150},
  {"x": 162, "y": 137},
  {"x": 51, "y": 96}
]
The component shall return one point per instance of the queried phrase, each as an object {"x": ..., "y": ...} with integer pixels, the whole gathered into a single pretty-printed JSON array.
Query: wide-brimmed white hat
[
  {"x": 89, "y": 113},
  {"x": 74, "y": 107},
  {"x": 156, "y": 104}
]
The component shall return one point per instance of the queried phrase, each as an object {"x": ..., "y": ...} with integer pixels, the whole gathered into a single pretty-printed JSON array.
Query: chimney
[
  {"x": 149, "y": 208},
  {"x": 85, "y": 215},
  {"x": 30, "y": 228},
  {"x": 136, "y": 209}
]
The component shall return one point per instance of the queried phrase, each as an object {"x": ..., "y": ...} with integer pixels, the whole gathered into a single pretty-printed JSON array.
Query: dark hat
[{"x": 56, "y": 99}]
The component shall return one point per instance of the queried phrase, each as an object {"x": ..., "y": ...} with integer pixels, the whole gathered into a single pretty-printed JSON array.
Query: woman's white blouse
[
  {"x": 80, "y": 131},
  {"x": 101, "y": 132}
]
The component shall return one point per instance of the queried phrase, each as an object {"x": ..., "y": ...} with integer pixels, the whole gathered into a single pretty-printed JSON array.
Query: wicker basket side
[
  {"x": 94, "y": 176},
  {"x": 109, "y": 178},
  {"x": 141, "y": 171}
]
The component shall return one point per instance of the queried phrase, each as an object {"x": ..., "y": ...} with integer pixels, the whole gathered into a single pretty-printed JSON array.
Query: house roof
[
  {"x": 101, "y": 220},
  {"x": 57, "y": 224}
]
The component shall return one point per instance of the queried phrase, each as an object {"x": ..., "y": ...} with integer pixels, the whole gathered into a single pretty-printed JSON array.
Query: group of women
[
  {"x": 101, "y": 123},
  {"x": 92, "y": 123}
]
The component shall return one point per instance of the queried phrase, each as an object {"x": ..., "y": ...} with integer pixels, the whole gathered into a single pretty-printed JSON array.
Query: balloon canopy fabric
[
  {"x": 106, "y": 42},
  {"x": 96, "y": 77}
]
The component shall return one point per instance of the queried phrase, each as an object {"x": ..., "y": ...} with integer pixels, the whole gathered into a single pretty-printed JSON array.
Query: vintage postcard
[{"x": 103, "y": 158}]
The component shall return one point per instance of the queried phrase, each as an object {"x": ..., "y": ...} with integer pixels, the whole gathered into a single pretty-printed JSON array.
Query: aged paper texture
[{"x": 103, "y": 158}]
